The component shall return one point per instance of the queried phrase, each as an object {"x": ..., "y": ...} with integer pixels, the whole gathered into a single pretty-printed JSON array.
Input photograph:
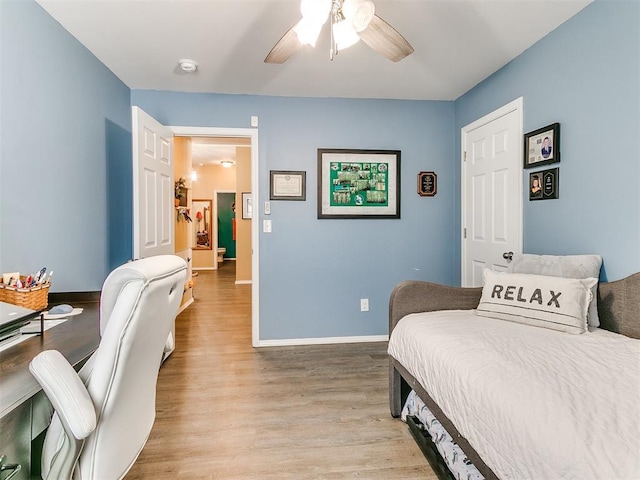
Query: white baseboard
[
  {"x": 288, "y": 342},
  {"x": 243, "y": 282},
  {"x": 195, "y": 269}
]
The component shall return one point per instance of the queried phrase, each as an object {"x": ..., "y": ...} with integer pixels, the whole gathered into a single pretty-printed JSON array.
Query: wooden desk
[{"x": 76, "y": 339}]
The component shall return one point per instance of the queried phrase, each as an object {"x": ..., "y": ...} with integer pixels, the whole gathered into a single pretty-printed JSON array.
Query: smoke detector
[{"x": 188, "y": 66}]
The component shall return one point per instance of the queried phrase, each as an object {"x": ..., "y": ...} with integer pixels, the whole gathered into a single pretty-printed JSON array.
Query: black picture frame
[
  {"x": 542, "y": 146},
  {"x": 427, "y": 184},
  {"x": 544, "y": 184},
  {"x": 357, "y": 183},
  {"x": 287, "y": 185}
]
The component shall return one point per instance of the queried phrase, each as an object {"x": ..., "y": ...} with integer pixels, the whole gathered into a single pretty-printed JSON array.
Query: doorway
[
  {"x": 252, "y": 166},
  {"x": 491, "y": 192},
  {"x": 221, "y": 164}
]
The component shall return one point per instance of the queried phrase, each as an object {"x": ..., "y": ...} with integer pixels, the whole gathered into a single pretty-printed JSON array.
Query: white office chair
[{"x": 104, "y": 414}]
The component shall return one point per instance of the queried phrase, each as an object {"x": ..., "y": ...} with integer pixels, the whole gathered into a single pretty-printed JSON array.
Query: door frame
[
  {"x": 517, "y": 106},
  {"x": 252, "y": 134}
]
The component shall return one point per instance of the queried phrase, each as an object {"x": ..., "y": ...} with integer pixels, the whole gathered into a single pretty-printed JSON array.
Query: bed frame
[{"x": 618, "y": 309}]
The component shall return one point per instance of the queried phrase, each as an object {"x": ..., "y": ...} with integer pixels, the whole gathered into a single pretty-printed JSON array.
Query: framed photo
[
  {"x": 287, "y": 185},
  {"x": 542, "y": 146},
  {"x": 358, "y": 183},
  {"x": 427, "y": 184},
  {"x": 247, "y": 205},
  {"x": 543, "y": 185}
]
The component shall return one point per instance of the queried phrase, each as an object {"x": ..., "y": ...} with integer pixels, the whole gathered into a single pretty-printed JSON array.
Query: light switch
[
  {"x": 266, "y": 226},
  {"x": 254, "y": 121},
  {"x": 267, "y": 208}
]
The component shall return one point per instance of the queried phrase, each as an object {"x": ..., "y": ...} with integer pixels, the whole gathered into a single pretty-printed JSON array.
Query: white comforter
[{"x": 534, "y": 403}]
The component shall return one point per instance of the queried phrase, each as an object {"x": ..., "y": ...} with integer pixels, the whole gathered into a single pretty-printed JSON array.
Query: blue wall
[
  {"x": 585, "y": 75},
  {"x": 65, "y": 125},
  {"x": 314, "y": 272}
]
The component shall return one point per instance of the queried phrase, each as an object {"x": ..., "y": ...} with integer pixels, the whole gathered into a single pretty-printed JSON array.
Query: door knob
[{"x": 508, "y": 256}]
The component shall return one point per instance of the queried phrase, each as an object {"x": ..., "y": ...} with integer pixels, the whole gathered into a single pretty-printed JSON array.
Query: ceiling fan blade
[
  {"x": 285, "y": 48},
  {"x": 386, "y": 40}
]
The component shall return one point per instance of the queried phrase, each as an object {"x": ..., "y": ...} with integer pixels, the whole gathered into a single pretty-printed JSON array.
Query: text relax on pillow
[{"x": 550, "y": 302}]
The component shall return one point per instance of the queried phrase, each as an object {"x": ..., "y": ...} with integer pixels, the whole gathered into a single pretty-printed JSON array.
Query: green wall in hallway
[{"x": 225, "y": 223}]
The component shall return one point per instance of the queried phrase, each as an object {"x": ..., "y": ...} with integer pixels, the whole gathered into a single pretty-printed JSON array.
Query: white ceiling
[
  {"x": 213, "y": 150},
  {"x": 457, "y": 43}
]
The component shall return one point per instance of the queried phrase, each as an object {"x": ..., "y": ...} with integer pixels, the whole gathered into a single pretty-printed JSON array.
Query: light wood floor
[{"x": 228, "y": 411}]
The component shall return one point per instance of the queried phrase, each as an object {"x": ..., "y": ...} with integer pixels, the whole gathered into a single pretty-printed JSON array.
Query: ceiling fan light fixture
[
  {"x": 359, "y": 13},
  {"x": 363, "y": 24},
  {"x": 308, "y": 31},
  {"x": 344, "y": 34},
  {"x": 316, "y": 11},
  {"x": 226, "y": 163}
]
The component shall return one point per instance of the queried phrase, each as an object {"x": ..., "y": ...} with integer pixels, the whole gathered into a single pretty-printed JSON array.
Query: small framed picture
[
  {"x": 247, "y": 206},
  {"x": 287, "y": 185},
  {"x": 543, "y": 185},
  {"x": 542, "y": 146},
  {"x": 427, "y": 184}
]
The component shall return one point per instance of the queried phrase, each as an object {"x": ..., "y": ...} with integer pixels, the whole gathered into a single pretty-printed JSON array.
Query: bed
[{"x": 518, "y": 400}]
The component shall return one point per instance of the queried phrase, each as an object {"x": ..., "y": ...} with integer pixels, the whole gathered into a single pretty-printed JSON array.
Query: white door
[
  {"x": 491, "y": 192},
  {"x": 153, "y": 187}
]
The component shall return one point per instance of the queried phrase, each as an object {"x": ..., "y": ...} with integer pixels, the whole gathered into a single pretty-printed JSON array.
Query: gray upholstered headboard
[
  {"x": 618, "y": 302},
  {"x": 619, "y": 306}
]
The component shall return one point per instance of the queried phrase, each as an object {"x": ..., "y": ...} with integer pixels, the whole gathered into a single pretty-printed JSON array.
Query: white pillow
[
  {"x": 567, "y": 266},
  {"x": 551, "y": 302}
]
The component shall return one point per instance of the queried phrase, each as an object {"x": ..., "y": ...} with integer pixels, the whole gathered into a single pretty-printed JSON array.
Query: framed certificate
[{"x": 287, "y": 185}]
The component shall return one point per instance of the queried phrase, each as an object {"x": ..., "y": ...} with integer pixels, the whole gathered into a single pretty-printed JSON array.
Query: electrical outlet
[
  {"x": 266, "y": 226},
  {"x": 254, "y": 121},
  {"x": 364, "y": 304}
]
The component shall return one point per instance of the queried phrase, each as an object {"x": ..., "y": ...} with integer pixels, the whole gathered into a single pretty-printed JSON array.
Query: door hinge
[
  {"x": 465, "y": 233},
  {"x": 465, "y": 156}
]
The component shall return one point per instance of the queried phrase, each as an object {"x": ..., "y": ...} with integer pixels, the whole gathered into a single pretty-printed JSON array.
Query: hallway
[{"x": 228, "y": 411}]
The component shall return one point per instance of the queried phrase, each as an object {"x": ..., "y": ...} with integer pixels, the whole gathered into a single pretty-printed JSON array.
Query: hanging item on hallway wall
[
  {"x": 427, "y": 184},
  {"x": 202, "y": 225},
  {"x": 358, "y": 183},
  {"x": 180, "y": 199},
  {"x": 233, "y": 221},
  {"x": 180, "y": 192},
  {"x": 542, "y": 146},
  {"x": 247, "y": 206},
  {"x": 287, "y": 185},
  {"x": 543, "y": 185},
  {"x": 183, "y": 212}
]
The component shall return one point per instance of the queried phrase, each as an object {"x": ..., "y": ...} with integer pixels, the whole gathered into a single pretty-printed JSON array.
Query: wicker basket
[{"x": 34, "y": 298}]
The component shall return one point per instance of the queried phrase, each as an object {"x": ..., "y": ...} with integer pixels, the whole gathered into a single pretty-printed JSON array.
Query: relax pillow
[
  {"x": 551, "y": 302},
  {"x": 567, "y": 266}
]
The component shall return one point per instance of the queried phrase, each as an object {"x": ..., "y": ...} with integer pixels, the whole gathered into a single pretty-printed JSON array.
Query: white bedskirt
[{"x": 534, "y": 403}]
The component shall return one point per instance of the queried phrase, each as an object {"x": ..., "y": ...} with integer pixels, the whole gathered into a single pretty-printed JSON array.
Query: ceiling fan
[{"x": 351, "y": 20}]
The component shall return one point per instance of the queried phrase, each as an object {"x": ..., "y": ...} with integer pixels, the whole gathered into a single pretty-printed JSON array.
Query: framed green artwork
[{"x": 358, "y": 183}]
